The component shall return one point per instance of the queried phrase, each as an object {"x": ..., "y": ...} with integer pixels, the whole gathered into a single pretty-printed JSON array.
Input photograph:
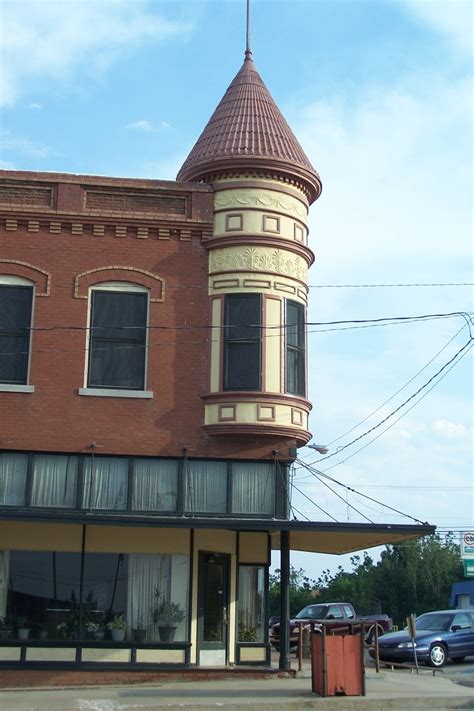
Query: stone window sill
[
  {"x": 110, "y": 392},
  {"x": 11, "y": 388}
]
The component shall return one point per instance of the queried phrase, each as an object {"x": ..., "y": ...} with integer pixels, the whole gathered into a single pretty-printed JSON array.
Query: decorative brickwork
[
  {"x": 83, "y": 281},
  {"x": 126, "y": 201},
  {"x": 31, "y": 196},
  {"x": 40, "y": 277}
]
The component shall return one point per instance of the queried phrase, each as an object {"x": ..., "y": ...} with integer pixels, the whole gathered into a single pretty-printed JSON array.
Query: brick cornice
[{"x": 259, "y": 430}]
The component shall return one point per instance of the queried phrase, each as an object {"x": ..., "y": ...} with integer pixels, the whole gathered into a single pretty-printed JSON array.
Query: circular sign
[{"x": 469, "y": 539}]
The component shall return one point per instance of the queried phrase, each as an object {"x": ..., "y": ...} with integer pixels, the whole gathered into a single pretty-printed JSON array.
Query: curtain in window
[
  {"x": 253, "y": 488},
  {"x": 4, "y": 578},
  {"x": 147, "y": 574},
  {"x": 15, "y": 322},
  {"x": 54, "y": 481},
  {"x": 118, "y": 340},
  {"x": 206, "y": 487},
  {"x": 155, "y": 485},
  {"x": 105, "y": 483},
  {"x": 13, "y": 479},
  {"x": 250, "y": 607}
]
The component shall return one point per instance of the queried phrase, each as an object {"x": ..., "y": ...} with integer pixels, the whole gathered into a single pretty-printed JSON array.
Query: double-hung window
[
  {"x": 243, "y": 342},
  {"x": 16, "y": 305},
  {"x": 118, "y": 338},
  {"x": 295, "y": 349}
]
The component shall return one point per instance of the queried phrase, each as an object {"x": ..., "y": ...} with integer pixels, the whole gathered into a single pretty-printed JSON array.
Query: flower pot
[
  {"x": 166, "y": 633},
  {"x": 118, "y": 635},
  {"x": 43, "y": 635},
  {"x": 99, "y": 635},
  {"x": 23, "y": 633},
  {"x": 139, "y": 634}
]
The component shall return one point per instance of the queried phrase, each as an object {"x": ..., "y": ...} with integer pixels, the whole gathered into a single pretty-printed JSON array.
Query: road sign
[
  {"x": 468, "y": 568},
  {"x": 467, "y": 544}
]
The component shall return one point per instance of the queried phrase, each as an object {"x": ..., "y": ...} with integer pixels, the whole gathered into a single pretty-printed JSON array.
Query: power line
[
  {"x": 398, "y": 391},
  {"x": 387, "y": 286},
  {"x": 318, "y": 474},
  {"x": 401, "y": 416},
  {"x": 405, "y": 402}
]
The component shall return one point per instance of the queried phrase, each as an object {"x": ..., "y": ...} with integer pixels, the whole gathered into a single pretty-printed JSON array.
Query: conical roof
[{"x": 248, "y": 132}]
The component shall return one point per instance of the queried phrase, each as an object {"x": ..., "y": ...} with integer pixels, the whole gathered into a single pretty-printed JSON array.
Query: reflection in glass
[{"x": 251, "y": 601}]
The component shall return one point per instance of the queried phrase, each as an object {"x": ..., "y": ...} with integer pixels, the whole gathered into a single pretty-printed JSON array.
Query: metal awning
[
  {"x": 310, "y": 536},
  {"x": 338, "y": 538}
]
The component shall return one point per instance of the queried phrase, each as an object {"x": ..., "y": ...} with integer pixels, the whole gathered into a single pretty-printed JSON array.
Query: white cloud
[
  {"x": 141, "y": 125},
  {"x": 449, "y": 429},
  {"x": 24, "y": 146},
  {"x": 35, "y": 106},
  {"x": 452, "y": 19},
  {"x": 52, "y": 40}
]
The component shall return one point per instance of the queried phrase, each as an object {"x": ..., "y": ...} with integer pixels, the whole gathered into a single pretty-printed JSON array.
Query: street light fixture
[{"x": 320, "y": 448}]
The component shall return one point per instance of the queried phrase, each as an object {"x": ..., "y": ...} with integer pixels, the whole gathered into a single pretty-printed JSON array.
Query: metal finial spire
[{"x": 248, "y": 51}]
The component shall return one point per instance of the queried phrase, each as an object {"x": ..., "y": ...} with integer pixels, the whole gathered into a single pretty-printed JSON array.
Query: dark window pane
[
  {"x": 242, "y": 342},
  {"x": 15, "y": 322},
  {"x": 118, "y": 340},
  {"x": 295, "y": 349}
]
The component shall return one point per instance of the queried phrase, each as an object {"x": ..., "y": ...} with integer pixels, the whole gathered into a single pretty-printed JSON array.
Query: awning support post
[{"x": 284, "y": 663}]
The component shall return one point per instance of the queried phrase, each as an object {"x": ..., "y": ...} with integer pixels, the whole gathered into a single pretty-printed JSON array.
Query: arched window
[
  {"x": 117, "y": 348},
  {"x": 16, "y": 310}
]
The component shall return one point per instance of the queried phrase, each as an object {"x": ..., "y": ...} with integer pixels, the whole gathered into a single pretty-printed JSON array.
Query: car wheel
[
  {"x": 437, "y": 656},
  {"x": 371, "y": 634}
]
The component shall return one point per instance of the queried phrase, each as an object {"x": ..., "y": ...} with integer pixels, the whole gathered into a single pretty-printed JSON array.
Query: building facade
[{"x": 153, "y": 393}]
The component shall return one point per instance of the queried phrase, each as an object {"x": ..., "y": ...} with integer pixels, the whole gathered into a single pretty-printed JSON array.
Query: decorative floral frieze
[
  {"x": 261, "y": 259},
  {"x": 258, "y": 198}
]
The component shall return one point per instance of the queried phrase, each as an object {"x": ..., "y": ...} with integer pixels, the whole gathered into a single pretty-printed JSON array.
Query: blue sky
[{"x": 380, "y": 96}]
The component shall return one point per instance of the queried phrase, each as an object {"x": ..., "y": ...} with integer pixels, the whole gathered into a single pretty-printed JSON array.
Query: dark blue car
[{"x": 439, "y": 635}]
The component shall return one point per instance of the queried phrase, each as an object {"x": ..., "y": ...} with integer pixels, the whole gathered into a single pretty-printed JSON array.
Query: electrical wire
[
  {"x": 313, "y": 502},
  {"x": 405, "y": 402},
  {"x": 401, "y": 416},
  {"x": 321, "y": 475},
  {"x": 397, "y": 392}
]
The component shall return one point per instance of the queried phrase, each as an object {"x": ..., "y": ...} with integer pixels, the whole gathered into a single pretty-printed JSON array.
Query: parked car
[
  {"x": 440, "y": 635},
  {"x": 332, "y": 615},
  {"x": 273, "y": 619}
]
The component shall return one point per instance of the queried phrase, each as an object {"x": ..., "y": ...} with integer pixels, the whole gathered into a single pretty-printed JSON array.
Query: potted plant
[
  {"x": 117, "y": 627},
  {"x": 94, "y": 630},
  {"x": 42, "y": 631},
  {"x": 139, "y": 631},
  {"x": 22, "y": 628},
  {"x": 5, "y": 628},
  {"x": 166, "y": 616}
]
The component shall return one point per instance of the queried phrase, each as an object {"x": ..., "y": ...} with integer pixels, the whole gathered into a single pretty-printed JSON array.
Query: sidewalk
[{"x": 387, "y": 690}]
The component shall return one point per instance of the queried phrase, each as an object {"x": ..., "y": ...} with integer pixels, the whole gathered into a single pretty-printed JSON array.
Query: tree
[{"x": 302, "y": 591}]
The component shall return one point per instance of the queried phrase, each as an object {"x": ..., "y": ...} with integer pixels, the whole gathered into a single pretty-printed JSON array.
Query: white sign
[{"x": 467, "y": 544}]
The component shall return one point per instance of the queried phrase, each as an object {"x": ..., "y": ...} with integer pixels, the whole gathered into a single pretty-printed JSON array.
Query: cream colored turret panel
[
  {"x": 268, "y": 197},
  {"x": 273, "y": 345},
  {"x": 261, "y": 223},
  {"x": 246, "y": 413},
  {"x": 263, "y": 259},
  {"x": 216, "y": 339}
]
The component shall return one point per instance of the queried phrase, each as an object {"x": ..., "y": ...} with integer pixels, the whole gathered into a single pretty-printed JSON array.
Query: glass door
[{"x": 213, "y": 603}]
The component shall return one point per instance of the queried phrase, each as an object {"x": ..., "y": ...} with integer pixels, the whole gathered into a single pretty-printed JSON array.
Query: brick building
[{"x": 153, "y": 393}]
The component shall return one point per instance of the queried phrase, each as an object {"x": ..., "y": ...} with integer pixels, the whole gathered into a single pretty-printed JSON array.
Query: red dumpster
[{"x": 337, "y": 664}]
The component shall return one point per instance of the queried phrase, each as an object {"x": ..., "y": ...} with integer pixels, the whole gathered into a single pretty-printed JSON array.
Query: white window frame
[
  {"x": 113, "y": 392},
  {"x": 13, "y": 280}
]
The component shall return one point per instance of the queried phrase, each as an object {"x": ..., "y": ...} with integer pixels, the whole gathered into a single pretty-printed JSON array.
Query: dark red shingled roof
[{"x": 247, "y": 131}]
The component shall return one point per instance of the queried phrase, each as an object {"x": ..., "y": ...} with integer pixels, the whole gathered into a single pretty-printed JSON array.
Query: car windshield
[
  {"x": 312, "y": 612},
  {"x": 434, "y": 621}
]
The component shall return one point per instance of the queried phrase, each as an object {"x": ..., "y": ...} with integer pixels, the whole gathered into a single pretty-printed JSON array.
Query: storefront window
[
  {"x": 144, "y": 596},
  {"x": 13, "y": 479},
  {"x": 155, "y": 485},
  {"x": 253, "y": 488},
  {"x": 206, "y": 487},
  {"x": 251, "y": 603}
]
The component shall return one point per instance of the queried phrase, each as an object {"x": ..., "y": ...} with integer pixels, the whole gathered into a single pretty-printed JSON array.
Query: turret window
[
  {"x": 295, "y": 349},
  {"x": 243, "y": 342}
]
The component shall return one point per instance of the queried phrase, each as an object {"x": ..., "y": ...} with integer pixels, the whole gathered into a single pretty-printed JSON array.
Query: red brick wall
[{"x": 55, "y": 417}]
